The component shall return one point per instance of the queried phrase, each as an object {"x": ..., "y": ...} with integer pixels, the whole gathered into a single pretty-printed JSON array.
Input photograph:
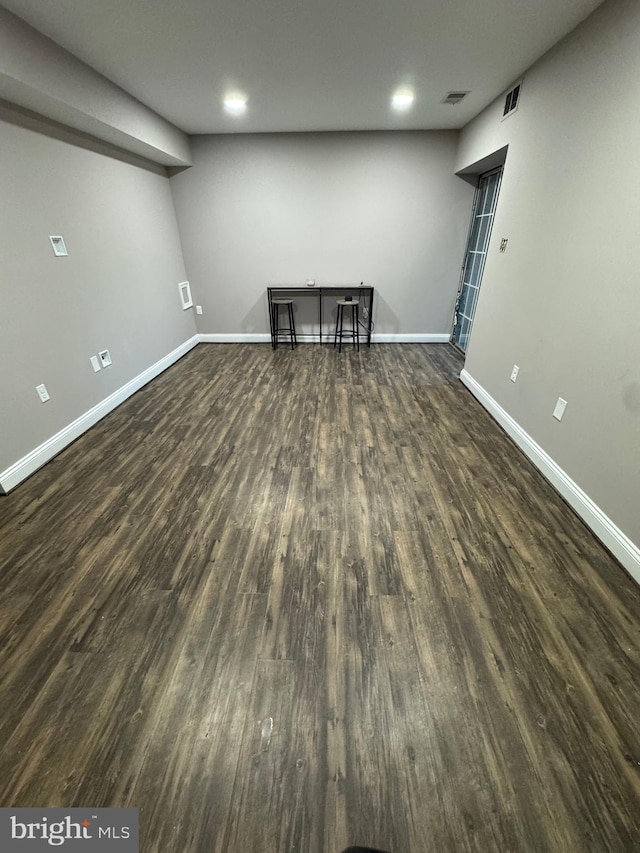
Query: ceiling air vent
[
  {"x": 454, "y": 97},
  {"x": 511, "y": 101}
]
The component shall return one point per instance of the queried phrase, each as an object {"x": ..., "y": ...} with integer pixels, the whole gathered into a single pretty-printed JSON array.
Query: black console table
[{"x": 363, "y": 292}]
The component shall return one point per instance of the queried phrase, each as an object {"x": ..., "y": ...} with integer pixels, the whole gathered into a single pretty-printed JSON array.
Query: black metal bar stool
[
  {"x": 342, "y": 332},
  {"x": 278, "y": 330}
]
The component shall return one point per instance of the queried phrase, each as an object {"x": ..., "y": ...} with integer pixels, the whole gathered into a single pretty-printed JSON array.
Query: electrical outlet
[
  {"x": 59, "y": 248},
  {"x": 515, "y": 372},
  {"x": 43, "y": 393},
  {"x": 503, "y": 244},
  {"x": 95, "y": 363},
  {"x": 105, "y": 358},
  {"x": 198, "y": 309},
  {"x": 558, "y": 412}
]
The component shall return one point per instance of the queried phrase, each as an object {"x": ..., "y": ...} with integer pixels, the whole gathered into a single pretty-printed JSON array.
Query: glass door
[{"x": 484, "y": 208}]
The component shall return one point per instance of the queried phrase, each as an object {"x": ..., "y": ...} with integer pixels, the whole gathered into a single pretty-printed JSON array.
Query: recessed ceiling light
[
  {"x": 402, "y": 100},
  {"x": 235, "y": 104}
]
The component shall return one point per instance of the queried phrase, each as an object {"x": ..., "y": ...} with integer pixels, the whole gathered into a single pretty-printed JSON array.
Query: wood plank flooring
[{"x": 296, "y": 601}]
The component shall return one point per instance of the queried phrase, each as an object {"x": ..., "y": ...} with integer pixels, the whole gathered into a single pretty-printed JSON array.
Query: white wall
[
  {"x": 117, "y": 289},
  {"x": 563, "y": 302},
  {"x": 384, "y": 208}
]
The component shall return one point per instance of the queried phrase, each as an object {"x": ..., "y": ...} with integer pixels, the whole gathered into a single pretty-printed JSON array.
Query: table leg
[{"x": 270, "y": 307}]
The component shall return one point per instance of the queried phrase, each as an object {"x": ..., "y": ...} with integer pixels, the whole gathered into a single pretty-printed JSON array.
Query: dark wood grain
[{"x": 296, "y": 601}]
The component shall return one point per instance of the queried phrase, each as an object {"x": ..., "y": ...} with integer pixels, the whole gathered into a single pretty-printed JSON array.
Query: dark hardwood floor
[{"x": 294, "y": 601}]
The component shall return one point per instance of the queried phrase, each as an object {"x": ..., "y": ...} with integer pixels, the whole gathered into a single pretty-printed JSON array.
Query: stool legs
[
  {"x": 292, "y": 327},
  {"x": 278, "y": 330},
  {"x": 341, "y": 332},
  {"x": 354, "y": 318},
  {"x": 338, "y": 327}
]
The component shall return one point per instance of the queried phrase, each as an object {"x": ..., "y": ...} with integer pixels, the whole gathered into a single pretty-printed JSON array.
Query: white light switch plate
[
  {"x": 514, "y": 372},
  {"x": 95, "y": 363},
  {"x": 558, "y": 412}
]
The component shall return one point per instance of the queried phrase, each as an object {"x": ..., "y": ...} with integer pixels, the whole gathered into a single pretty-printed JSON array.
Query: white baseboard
[
  {"x": 376, "y": 338},
  {"x": 424, "y": 338},
  {"x": 235, "y": 338},
  {"x": 30, "y": 463},
  {"x": 626, "y": 551}
]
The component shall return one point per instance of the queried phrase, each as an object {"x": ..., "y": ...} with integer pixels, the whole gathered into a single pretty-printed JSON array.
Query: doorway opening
[{"x": 484, "y": 208}]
